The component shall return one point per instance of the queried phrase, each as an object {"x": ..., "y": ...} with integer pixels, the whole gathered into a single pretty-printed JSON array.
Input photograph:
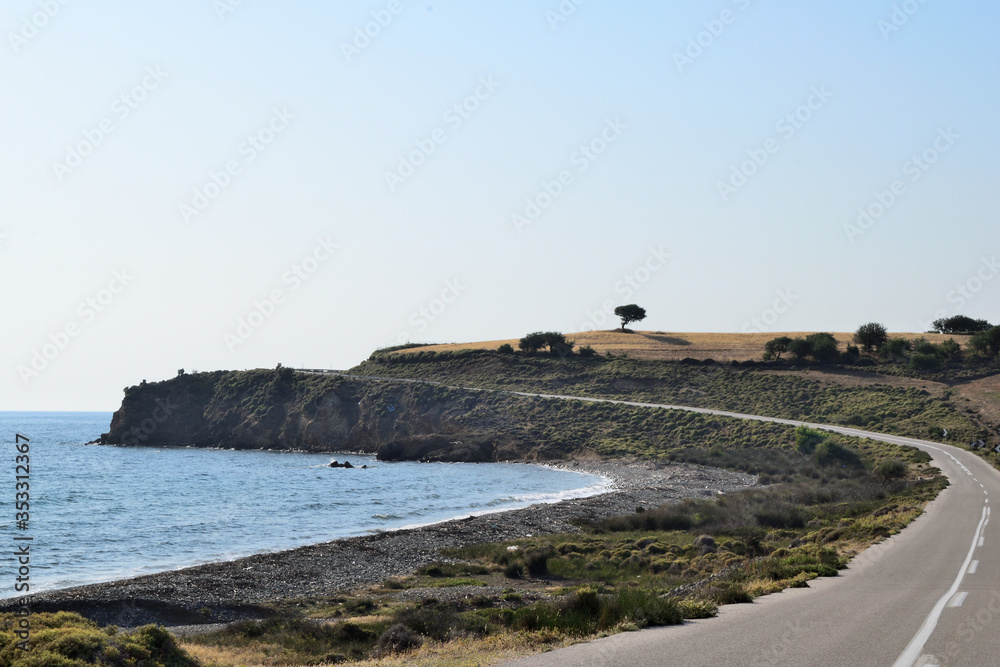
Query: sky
[{"x": 230, "y": 184}]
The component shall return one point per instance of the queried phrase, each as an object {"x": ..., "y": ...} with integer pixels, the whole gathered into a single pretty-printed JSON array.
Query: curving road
[{"x": 928, "y": 596}]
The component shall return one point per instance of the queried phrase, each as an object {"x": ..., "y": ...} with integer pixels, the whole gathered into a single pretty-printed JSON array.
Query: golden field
[{"x": 722, "y": 347}]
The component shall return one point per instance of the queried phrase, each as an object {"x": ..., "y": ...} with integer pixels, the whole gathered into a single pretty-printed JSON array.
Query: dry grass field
[{"x": 722, "y": 347}]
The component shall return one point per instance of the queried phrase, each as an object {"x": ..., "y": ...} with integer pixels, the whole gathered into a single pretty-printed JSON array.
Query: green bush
[
  {"x": 924, "y": 362},
  {"x": 807, "y": 438},
  {"x": 65, "y": 639},
  {"x": 891, "y": 469},
  {"x": 505, "y": 349}
]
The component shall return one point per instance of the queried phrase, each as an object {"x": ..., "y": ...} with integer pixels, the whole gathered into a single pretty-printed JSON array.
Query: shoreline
[
  {"x": 244, "y": 587},
  {"x": 604, "y": 485}
]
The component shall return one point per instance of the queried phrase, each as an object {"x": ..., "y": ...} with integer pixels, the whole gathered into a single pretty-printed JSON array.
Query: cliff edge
[{"x": 281, "y": 409}]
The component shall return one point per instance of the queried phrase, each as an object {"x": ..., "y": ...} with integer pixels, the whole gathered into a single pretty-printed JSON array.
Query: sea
[{"x": 97, "y": 513}]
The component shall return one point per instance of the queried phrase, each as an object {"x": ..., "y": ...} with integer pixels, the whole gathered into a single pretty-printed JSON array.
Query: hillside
[{"x": 675, "y": 346}]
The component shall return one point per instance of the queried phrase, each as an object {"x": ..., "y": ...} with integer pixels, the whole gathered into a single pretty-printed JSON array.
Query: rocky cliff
[{"x": 281, "y": 409}]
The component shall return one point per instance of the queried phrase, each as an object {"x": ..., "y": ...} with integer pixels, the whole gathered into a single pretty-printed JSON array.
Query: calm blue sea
[{"x": 101, "y": 513}]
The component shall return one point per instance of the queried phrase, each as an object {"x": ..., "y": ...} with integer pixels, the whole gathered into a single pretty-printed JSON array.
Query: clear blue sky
[{"x": 714, "y": 155}]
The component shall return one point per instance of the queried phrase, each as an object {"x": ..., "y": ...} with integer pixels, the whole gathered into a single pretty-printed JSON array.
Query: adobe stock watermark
[
  {"x": 454, "y": 117},
  {"x": 32, "y": 26},
  {"x": 786, "y": 126},
  {"x": 581, "y": 159},
  {"x": 562, "y": 12},
  {"x": 899, "y": 17},
  {"x": 783, "y": 301},
  {"x": 291, "y": 280},
  {"x": 224, "y": 8},
  {"x": 122, "y": 107},
  {"x": 422, "y": 318},
  {"x": 363, "y": 35},
  {"x": 967, "y": 290},
  {"x": 87, "y": 311},
  {"x": 714, "y": 28},
  {"x": 625, "y": 288},
  {"x": 913, "y": 169},
  {"x": 248, "y": 151},
  {"x": 984, "y": 620}
]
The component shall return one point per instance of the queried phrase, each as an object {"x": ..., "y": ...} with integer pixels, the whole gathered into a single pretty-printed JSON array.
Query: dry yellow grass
[
  {"x": 723, "y": 347},
  {"x": 460, "y": 652}
]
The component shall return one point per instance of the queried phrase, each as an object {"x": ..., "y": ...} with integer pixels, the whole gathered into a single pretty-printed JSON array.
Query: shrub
[
  {"x": 537, "y": 560},
  {"x": 895, "y": 348},
  {"x": 830, "y": 452},
  {"x": 505, "y": 349},
  {"x": 807, "y": 438},
  {"x": 586, "y": 351},
  {"x": 891, "y": 469},
  {"x": 397, "y": 639},
  {"x": 987, "y": 342},
  {"x": 800, "y": 348},
  {"x": 823, "y": 347},
  {"x": 921, "y": 361},
  {"x": 66, "y": 638}
]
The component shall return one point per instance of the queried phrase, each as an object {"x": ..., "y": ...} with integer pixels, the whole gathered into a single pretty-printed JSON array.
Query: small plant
[
  {"x": 397, "y": 639},
  {"x": 506, "y": 348}
]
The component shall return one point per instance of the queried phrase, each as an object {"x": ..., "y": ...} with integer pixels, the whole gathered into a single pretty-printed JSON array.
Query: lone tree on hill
[
  {"x": 630, "y": 313},
  {"x": 871, "y": 336}
]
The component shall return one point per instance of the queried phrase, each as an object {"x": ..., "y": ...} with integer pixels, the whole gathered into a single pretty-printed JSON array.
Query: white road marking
[
  {"x": 981, "y": 541},
  {"x": 958, "y": 599},
  {"x": 916, "y": 645},
  {"x": 973, "y": 566}
]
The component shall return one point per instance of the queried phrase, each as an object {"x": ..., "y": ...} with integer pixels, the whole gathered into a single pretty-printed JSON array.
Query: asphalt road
[{"x": 928, "y": 596}]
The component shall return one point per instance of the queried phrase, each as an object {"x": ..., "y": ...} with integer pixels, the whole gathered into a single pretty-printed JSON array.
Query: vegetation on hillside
[
  {"x": 880, "y": 407},
  {"x": 65, "y": 639}
]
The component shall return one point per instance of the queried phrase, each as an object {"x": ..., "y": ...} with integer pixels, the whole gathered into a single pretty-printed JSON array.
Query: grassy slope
[{"x": 902, "y": 410}]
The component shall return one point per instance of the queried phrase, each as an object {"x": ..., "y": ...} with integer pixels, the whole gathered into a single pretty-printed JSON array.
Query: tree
[
  {"x": 774, "y": 348},
  {"x": 532, "y": 343},
  {"x": 987, "y": 342},
  {"x": 960, "y": 324},
  {"x": 800, "y": 348},
  {"x": 871, "y": 336},
  {"x": 630, "y": 313},
  {"x": 823, "y": 347},
  {"x": 895, "y": 348},
  {"x": 555, "y": 341}
]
